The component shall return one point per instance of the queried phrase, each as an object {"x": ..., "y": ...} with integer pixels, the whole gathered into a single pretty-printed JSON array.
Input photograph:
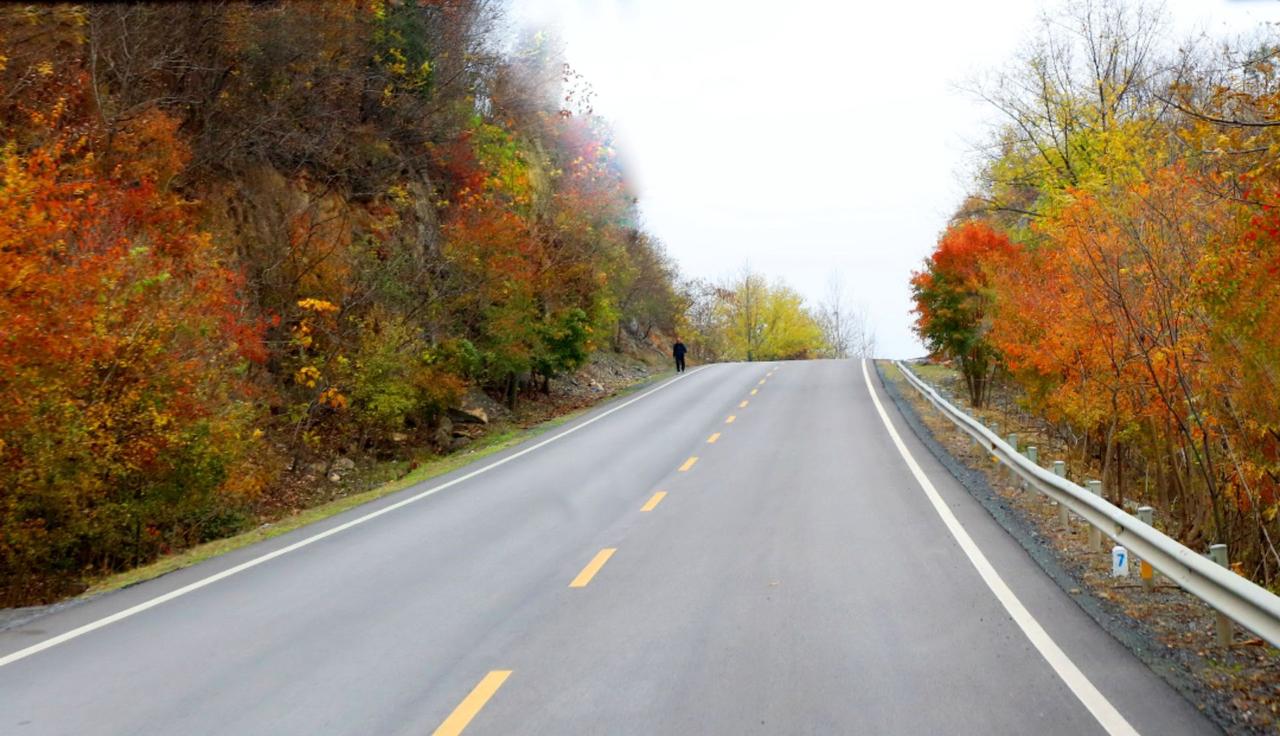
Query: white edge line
[
  {"x": 190, "y": 587},
  {"x": 1106, "y": 714}
]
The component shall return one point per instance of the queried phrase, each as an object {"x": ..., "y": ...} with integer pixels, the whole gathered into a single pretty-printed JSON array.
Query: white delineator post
[
  {"x": 1095, "y": 534},
  {"x": 1119, "y": 562},
  {"x": 1218, "y": 553}
]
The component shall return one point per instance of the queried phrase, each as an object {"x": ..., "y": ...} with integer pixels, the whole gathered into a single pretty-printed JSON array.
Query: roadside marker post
[{"x": 1119, "y": 562}]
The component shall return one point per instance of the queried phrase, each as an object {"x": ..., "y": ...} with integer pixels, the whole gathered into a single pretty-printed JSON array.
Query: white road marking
[
  {"x": 179, "y": 592},
  {"x": 1097, "y": 704}
]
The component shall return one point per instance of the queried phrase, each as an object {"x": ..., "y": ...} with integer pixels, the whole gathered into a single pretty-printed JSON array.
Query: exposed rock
[
  {"x": 459, "y": 443},
  {"x": 343, "y": 464},
  {"x": 443, "y": 433},
  {"x": 441, "y": 437},
  {"x": 399, "y": 437},
  {"x": 492, "y": 409},
  {"x": 468, "y": 415},
  {"x": 334, "y": 477}
]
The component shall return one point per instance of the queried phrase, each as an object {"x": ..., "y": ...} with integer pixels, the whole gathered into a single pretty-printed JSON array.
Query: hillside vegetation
[
  {"x": 235, "y": 237},
  {"x": 1118, "y": 263}
]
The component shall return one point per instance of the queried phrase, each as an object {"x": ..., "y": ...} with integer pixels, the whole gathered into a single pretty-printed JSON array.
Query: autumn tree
[
  {"x": 1077, "y": 101},
  {"x": 129, "y": 427},
  {"x": 645, "y": 284},
  {"x": 953, "y": 301},
  {"x": 749, "y": 318}
]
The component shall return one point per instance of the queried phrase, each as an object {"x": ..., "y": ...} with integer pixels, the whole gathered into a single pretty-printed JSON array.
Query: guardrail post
[
  {"x": 1095, "y": 534},
  {"x": 1012, "y": 440},
  {"x": 1029, "y": 453},
  {"x": 1218, "y": 553},
  {"x": 1145, "y": 571},
  {"x": 1033, "y": 454},
  {"x": 1064, "y": 516}
]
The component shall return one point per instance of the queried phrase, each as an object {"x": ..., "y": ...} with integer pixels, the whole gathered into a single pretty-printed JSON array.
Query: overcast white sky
[{"x": 807, "y": 137}]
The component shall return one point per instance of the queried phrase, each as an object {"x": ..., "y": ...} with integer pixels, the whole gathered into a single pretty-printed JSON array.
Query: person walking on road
[{"x": 678, "y": 350}]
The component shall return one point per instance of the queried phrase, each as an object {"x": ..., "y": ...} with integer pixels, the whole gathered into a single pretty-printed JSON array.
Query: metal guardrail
[{"x": 1248, "y": 604}]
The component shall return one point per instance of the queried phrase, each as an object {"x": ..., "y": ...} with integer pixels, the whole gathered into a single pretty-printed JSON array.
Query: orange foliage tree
[
  {"x": 1135, "y": 321},
  {"x": 125, "y": 423},
  {"x": 953, "y": 301}
]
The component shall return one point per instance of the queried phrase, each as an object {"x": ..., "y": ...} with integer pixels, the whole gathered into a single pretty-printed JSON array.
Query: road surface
[{"x": 744, "y": 549}]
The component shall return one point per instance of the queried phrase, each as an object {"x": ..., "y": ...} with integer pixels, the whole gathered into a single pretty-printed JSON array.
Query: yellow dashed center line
[
  {"x": 712, "y": 439},
  {"x": 593, "y": 567},
  {"x": 743, "y": 405},
  {"x": 652, "y": 503},
  {"x": 730, "y": 419},
  {"x": 688, "y": 463},
  {"x": 755, "y": 391},
  {"x": 471, "y": 705},
  {"x": 761, "y": 382}
]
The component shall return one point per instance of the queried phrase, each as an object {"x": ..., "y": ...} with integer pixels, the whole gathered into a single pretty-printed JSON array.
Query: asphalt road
[{"x": 794, "y": 579}]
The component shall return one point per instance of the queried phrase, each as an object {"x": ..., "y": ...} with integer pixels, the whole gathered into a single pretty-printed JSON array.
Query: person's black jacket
[{"x": 678, "y": 350}]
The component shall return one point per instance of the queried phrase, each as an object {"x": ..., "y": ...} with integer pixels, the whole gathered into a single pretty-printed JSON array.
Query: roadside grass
[
  {"x": 497, "y": 440},
  {"x": 936, "y": 374}
]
